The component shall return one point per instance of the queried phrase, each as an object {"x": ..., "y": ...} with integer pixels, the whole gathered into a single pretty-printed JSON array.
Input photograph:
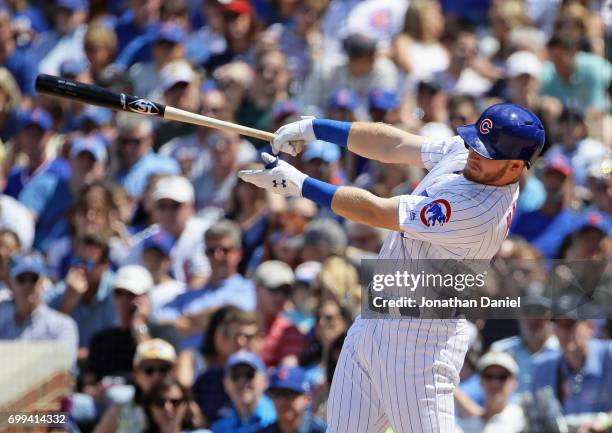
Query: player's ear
[{"x": 517, "y": 166}]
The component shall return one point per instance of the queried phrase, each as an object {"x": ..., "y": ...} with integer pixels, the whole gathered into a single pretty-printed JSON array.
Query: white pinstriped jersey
[{"x": 448, "y": 216}]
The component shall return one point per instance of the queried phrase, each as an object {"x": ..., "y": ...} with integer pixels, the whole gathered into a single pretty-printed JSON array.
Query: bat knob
[{"x": 272, "y": 164}]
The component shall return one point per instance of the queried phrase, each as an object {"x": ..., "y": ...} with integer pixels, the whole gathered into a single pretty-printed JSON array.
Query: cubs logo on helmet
[
  {"x": 437, "y": 212},
  {"x": 485, "y": 126}
]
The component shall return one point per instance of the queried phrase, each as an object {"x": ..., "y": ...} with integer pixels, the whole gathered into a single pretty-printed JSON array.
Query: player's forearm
[
  {"x": 353, "y": 203},
  {"x": 376, "y": 141}
]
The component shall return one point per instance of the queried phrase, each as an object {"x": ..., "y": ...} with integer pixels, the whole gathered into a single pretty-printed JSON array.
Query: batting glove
[
  {"x": 283, "y": 179},
  {"x": 292, "y": 137}
]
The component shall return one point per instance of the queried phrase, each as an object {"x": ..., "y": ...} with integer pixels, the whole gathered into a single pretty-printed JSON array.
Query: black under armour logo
[{"x": 282, "y": 182}]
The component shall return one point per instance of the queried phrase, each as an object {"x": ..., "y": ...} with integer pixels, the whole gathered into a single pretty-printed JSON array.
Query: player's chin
[{"x": 470, "y": 174}]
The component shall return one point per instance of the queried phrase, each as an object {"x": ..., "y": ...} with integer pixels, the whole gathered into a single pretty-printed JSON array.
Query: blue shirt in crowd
[
  {"x": 263, "y": 416},
  {"x": 589, "y": 390},
  {"x": 20, "y": 175},
  {"x": 99, "y": 315},
  {"x": 45, "y": 324},
  {"x": 135, "y": 178},
  {"x": 544, "y": 232},
  {"x": 24, "y": 67}
]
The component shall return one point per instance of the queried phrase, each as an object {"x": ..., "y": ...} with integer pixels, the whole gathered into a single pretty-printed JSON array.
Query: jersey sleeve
[
  {"x": 434, "y": 150},
  {"x": 447, "y": 219}
]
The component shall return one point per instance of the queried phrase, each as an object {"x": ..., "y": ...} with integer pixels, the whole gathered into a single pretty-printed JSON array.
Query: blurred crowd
[{"x": 190, "y": 300}]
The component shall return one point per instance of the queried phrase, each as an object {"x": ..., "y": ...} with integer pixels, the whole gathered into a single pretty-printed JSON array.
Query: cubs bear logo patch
[{"x": 438, "y": 211}]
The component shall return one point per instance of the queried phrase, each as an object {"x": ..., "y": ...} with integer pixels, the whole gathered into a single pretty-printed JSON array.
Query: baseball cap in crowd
[
  {"x": 73, "y": 5},
  {"x": 154, "y": 350},
  {"x": 359, "y": 45},
  {"x": 27, "y": 263},
  {"x": 319, "y": 149},
  {"x": 273, "y": 274},
  {"x": 308, "y": 271},
  {"x": 328, "y": 232},
  {"x": 289, "y": 378},
  {"x": 176, "y": 72},
  {"x": 97, "y": 115},
  {"x": 501, "y": 359},
  {"x": 93, "y": 144},
  {"x": 343, "y": 99},
  {"x": 133, "y": 278},
  {"x": 37, "y": 116},
  {"x": 71, "y": 68},
  {"x": 161, "y": 241},
  {"x": 176, "y": 188},
  {"x": 284, "y": 109},
  {"x": 171, "y": 32},
  {"x": 571, "y": 114},
  {"x": 598, "y": 220},
  {"x": 558, "y": 163},
  {"x": 523, "y": 62},
  {"x": 382, "y": 99},
  {"x": 236, "y": 6},
  {"x": 535, "y": 306},
  {"x": 575, "y": 306},
  {"x": 243, "y": 357}
]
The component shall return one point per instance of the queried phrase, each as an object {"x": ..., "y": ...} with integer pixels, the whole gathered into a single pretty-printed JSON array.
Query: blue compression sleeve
[
  {"x": 320, "y": 192},
  {"x": 332, "y": 131}
]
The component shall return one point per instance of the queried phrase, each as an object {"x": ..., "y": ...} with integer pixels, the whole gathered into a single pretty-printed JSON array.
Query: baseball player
[{"x": 403, "y": 372}]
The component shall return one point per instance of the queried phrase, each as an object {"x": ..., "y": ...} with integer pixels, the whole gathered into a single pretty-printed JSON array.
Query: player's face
[{"x": 488, "y": 171}]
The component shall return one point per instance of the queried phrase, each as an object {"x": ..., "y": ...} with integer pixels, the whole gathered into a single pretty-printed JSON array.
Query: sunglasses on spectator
[
  {"x": 237, "y": 375},
  {"x": 328, "y": 317},
  {"x": 150, "y": 370},
  {"x": 213, "y": 250},
  {"x": 496, "y": 377},
  {"x": 27, "y": 277},
  {"x": 171, "y": 205},
  {"x": 79, "y": 262},
  {"x": 125, "y": 141},
  {"x": 121, "y": 293},
  {"x": 161, "y": 402}
]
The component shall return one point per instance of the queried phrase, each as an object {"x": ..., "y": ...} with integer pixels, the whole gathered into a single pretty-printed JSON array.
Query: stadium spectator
[
  {"x": 132, "y": 157},
  {"x": 323, "y": 238},
  {"x": 225, "y": 286},
  {"x": 154, "y": 361},
  {"x": 94, "y": 211},
  {"x": 249, "y": 208},
  {"x": 321, "y": 159},
  {"x": 214, "y": 186},
  {"x": 173, "y": 211},
  {"x": 430, "y": 106},
  {"x": 575, "y": 78},
  {"x": 50, "y": 195},
  {"x": 208, "y": 39},
  {"x": 290, "y": 392},
  {"x": 17, "y": 218},
  {"x": 342, "y": 105},
  {"x": 383, "y": 106},
  {"x": 100, "y": 45},
  {"x": 140, "y": 17},
  {"x": 229, "y": 331},
  {"x": 33, "y": 139},
  {"x": 245, "y": 382},
  {"x": 65, "y": 41},
  {"x": 417, "y": 49},
  {"x": 498, "y": 373},
  {"x": 156, "y": 258},
  {"x": 283, "y": 342},
  {"x": 86, "y": 292},
  {"x": 234, "y": 79},
  {"x": 461, "y": 77},
  {"x": 111, "y": 350},
  {"x": 170, "y": 408},
  {"x": 546, "y": 227},
  {"x": 575, "y": 145},
  {"x": 240, "y": 30},
  {"x": 19, "y": 62},
  {"x": 577, "y": 373},
  {"x": 26, "y": 317},
  {"x": 536, "y": 337},
  {"x": 462, "y": 110},
  {"x": 270, "y": 86},
  {"x": 361, "y": 72},
  {"x": 9, "y": 248},
  {"x": 10, "y": 98}
]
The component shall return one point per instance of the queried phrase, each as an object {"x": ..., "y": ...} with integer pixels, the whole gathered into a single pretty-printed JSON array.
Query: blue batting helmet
[{"x": 505, "y": 131}]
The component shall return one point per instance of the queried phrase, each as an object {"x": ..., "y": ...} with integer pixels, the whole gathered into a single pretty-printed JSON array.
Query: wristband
[
  {"x": 320, "y": 192},
  {"x": 332, "y": 131}
]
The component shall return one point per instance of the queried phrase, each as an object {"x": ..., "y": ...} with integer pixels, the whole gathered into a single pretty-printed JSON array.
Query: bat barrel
[{"x": 95, "y": 95}]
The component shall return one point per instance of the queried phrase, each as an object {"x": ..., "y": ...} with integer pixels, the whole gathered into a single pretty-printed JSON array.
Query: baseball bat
[{"x": 96, "y": 95}]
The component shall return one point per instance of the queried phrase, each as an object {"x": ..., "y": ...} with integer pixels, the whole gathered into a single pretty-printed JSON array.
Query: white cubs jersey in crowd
[
  {"x": 402, "y": 372},
  {"x": 448, "y": 216}
]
